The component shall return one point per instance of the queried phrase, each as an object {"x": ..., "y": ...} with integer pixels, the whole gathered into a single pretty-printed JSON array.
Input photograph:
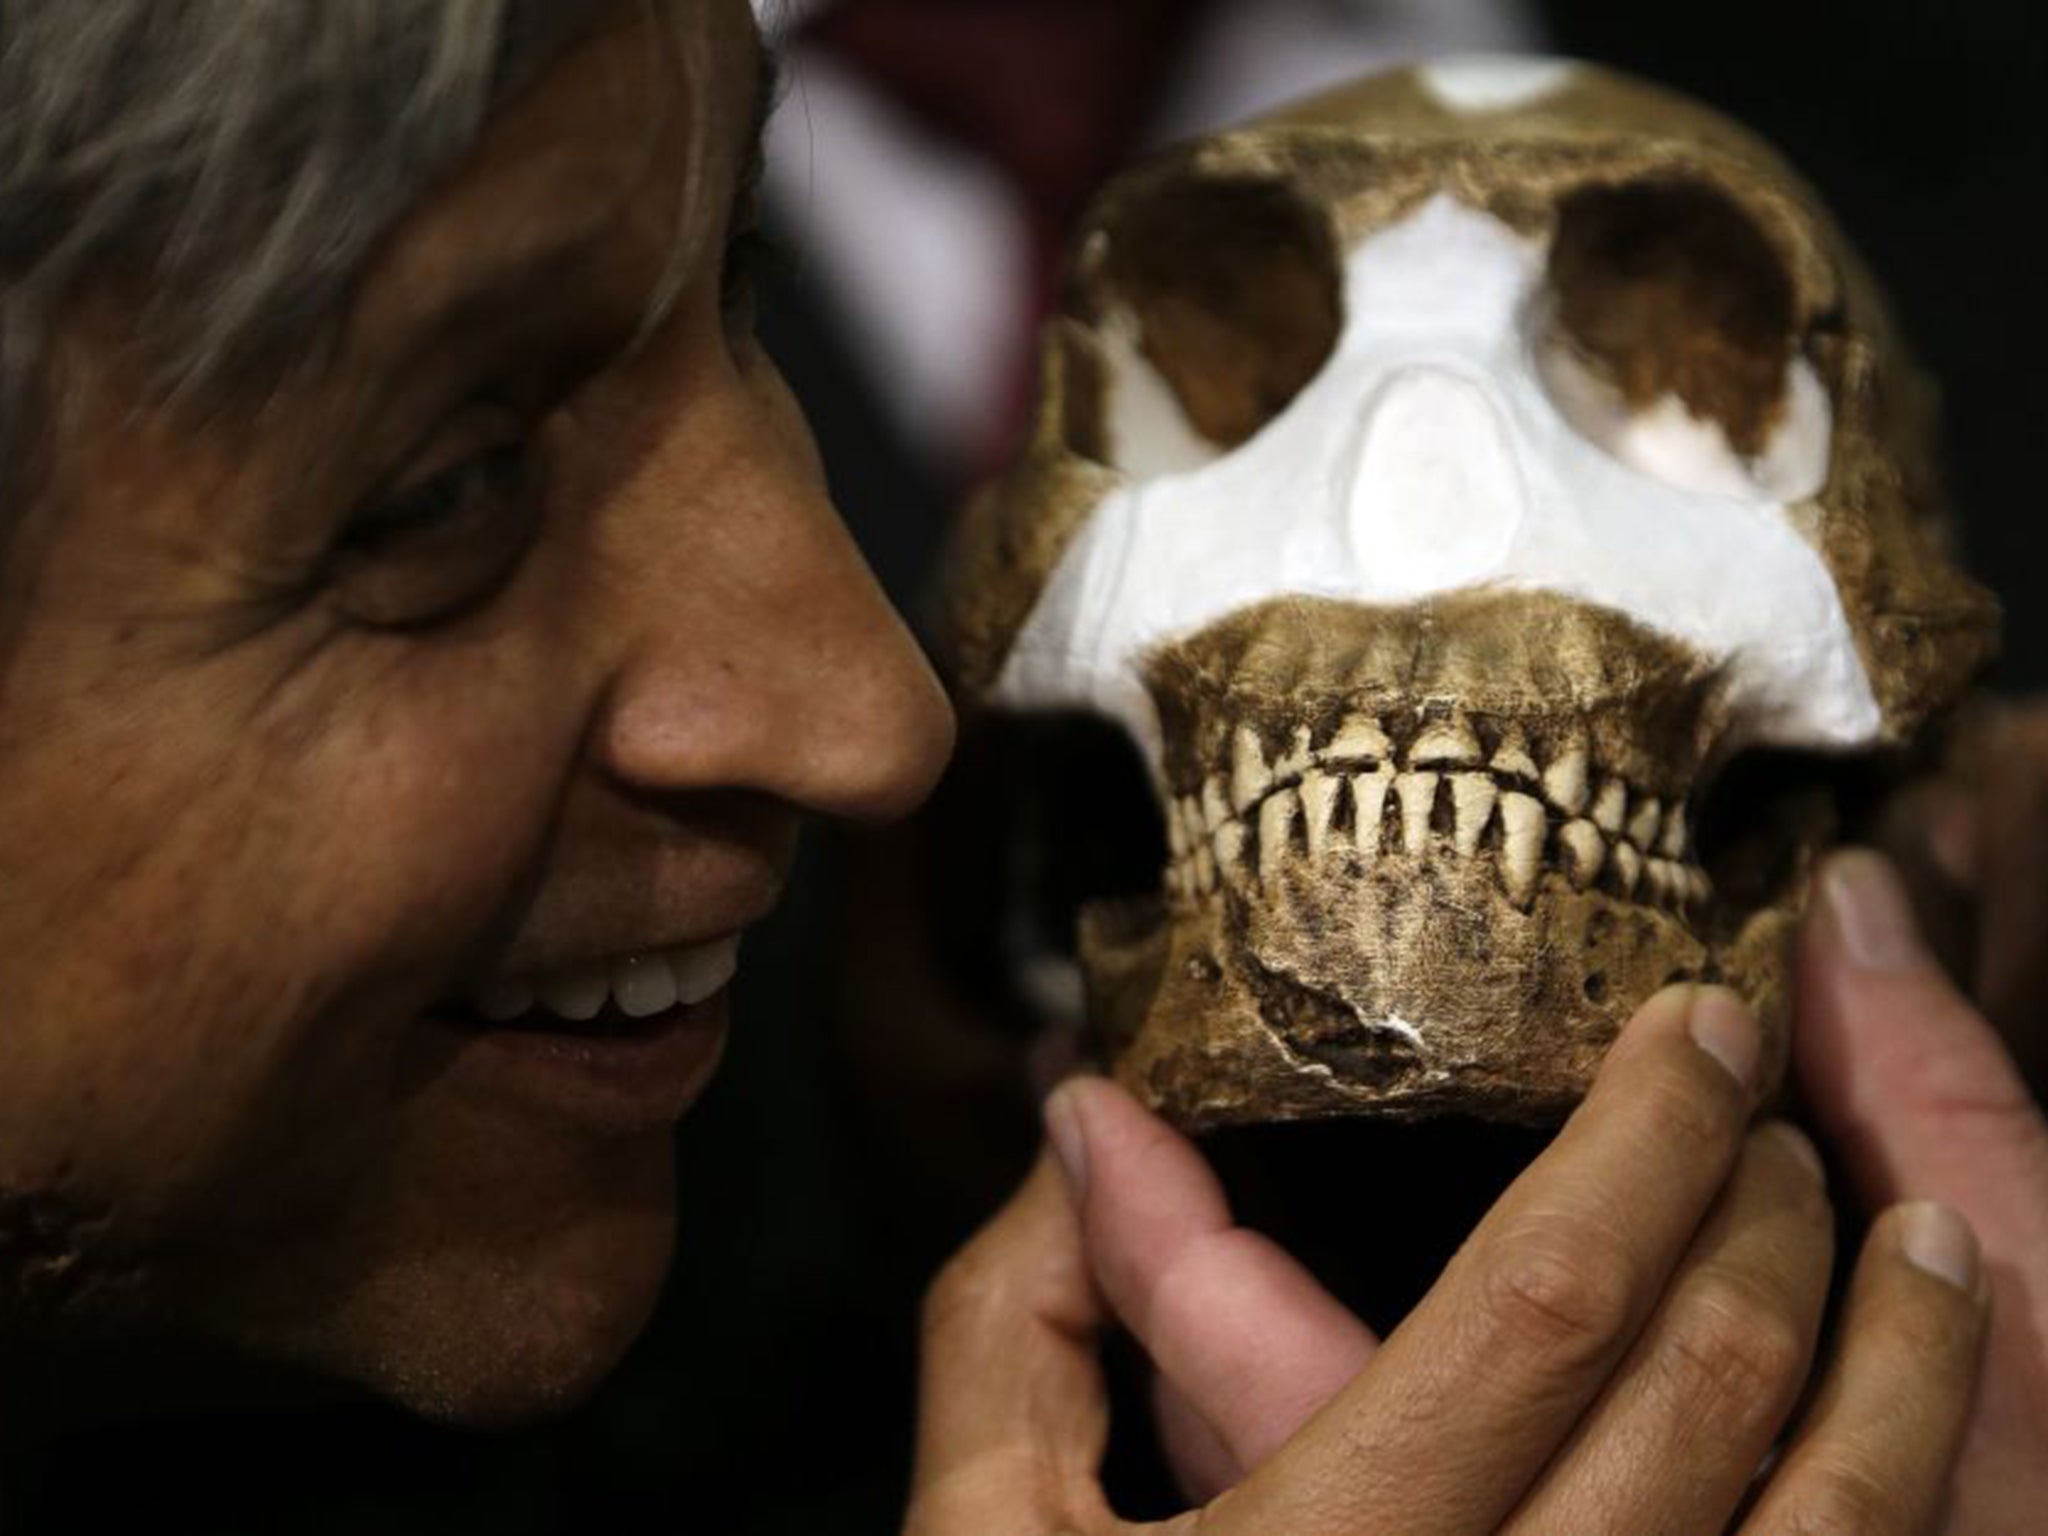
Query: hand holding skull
[{"x": 1617, "y": 1346}]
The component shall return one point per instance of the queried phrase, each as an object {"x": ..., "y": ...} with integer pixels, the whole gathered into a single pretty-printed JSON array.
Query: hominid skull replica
[{"x": 1447, "y": 483}]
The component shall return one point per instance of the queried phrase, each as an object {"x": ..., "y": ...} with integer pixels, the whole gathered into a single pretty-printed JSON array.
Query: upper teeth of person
[{"x": 639, "y": 985}]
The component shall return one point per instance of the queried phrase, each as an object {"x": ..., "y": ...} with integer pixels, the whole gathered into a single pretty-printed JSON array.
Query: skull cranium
[{"x": 1444, "y": 482}]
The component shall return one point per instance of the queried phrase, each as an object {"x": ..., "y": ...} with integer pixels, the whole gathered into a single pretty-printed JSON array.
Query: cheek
[{"x": 223, "y": 935}]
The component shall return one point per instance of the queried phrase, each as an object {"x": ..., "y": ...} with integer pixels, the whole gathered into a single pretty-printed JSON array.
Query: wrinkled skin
[{"x": 260, "y": 807}]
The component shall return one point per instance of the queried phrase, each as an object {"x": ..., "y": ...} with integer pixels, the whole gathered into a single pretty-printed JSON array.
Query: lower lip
[{"x": 613, "y": 1085}]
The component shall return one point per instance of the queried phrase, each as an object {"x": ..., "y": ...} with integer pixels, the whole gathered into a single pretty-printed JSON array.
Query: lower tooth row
[{"x": 1581, "y": 848}]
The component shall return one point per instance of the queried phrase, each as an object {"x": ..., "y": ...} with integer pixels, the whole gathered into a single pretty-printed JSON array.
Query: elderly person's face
[{"x": 498, "y": 662}]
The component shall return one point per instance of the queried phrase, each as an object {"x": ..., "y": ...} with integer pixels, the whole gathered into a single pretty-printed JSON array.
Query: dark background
[{"x": 774, "y": 1393}]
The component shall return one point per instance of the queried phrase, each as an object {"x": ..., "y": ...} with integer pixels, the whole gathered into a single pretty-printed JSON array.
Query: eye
[{"x": 448, "y": 534}]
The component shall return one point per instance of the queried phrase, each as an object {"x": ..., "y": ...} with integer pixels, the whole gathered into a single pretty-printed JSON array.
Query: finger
[
  {"x": 1466, "y": 1402},
  {"x": 1914, "y": 1086},
  {"x": 1672, "y": 1444},
  {"x": 1907, "y": 1078},
  {"x": 1012, "y": 1414},
  {"x": 2011, "y": 980},
  {"x": 1874, "y": 1453},
  {"x": 1202, "y": 1465},
  {"x": 1251, "y": 1343}
]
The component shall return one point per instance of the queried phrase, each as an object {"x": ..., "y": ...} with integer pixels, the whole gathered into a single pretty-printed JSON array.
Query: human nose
[{"x": 763, "y": 654}]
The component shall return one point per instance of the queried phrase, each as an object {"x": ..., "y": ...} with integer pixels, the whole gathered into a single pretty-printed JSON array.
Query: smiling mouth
[{"x": 623, "y": 994}]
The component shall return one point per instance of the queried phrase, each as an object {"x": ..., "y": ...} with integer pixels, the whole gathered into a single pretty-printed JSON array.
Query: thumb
[{"x": 1012, "y": 1413}]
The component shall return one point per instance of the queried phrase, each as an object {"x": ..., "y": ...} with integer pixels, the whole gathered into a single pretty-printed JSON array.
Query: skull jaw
[{"x": 1418, "y": 990}]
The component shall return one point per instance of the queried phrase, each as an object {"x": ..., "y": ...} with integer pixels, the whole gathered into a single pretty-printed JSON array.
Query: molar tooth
[
  {"x": 1699, "y": 890},
  {"x": 1205, "y": 869},
  {"x": 1473, "y": 796},
  {"x": 1448, "y": 743},
  {"x": 1359, "y": 739},
  {"x": 1672, "y": 843},
  {"x": 1369, "y": 807},
  {"x": 1276, "y": 825},
  {"x": 1585, "y": 850},
  {"x": 1628, "y": 868},
  {"x": 502, "y": 1001},
  {"x": 1642, "y": 827},
  {"x": 1177, "y": 828},
  {"x": 1250, "y": 778},
  {"x": 1418, "y": 798},
  {"x": 1215, "y": 809},
  {"x": 1514, "y": 759},
  {"x": 1564, "y": 781},
  {"x": 1522, "y": 820},
  {"x": 1319, "y": 793},
  {"x": 1657, "y": 876},
  {"x": 1610, "y": 807}
]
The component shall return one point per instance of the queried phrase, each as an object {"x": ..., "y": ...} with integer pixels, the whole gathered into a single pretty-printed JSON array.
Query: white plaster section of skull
[
  {"x": 1492, "y": 82},
  {"x": 1440, "y": 449}
]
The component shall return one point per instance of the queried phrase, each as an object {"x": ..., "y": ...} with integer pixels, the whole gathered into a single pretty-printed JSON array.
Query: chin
[
  {"x": 469, "y": 1299},
  {"x": 481, "y": 1341}
]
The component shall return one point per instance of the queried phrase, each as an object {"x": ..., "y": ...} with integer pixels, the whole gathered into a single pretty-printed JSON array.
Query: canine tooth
[
  {"x": 1514, "y": 759},
  {"x": 1672, "y": 843},
  {"x": 1642, "y": 827},
  {"x": 1250, "y": 778},
  {"x": 502, "y": 1001},
  {"x": 1448, "y": 743},
  {"x": 1230, "y": 840},
  {"x": 1610, "y": 807},
  {"x": 643, "y": 985},
  {"x": 1628, "y": 867},
  {"x": 1522, "y": 820},
  {"x": 1473, "y": 796},
  {"x": 1564, "y": 781},
  {"x": 1359, "y": 739},
  {"x": 702, "y": 971},
  {"x": 1319, "y": 792},
  {"x": 578, "y": 993},
  {"x": 1369, "y": 808},
  {"x": 1585, "y": 850},
  {"x": 1418, "y": 799},
  {"x": 1215, "y": 809},
  {"x": 1276, "y": 825}
]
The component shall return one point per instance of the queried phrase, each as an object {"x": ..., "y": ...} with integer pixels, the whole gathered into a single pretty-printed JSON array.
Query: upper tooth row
[
  {"x": 1306, "y": 813},
  {"x": 1568, "y": 783},
  {"x": 639, "y": 985}
]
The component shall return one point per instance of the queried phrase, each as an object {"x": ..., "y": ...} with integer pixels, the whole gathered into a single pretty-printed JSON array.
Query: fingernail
[
  {"x": 1870, "y": 913},
  {"x": 1722, "y": 1027},
  {"x": 1069, "y": 1142},
  {"x": 1800, "y": 1145},
  {"x": 1937, "y": 1240}
]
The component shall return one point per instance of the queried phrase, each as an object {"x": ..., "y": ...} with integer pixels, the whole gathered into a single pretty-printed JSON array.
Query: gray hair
[{"x": 239, "y": 157}]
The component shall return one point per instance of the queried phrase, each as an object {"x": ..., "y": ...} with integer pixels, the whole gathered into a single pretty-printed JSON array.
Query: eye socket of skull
[
  {"x": 1234, "y": 288},
  {"x": 1670, "y": 312}
]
